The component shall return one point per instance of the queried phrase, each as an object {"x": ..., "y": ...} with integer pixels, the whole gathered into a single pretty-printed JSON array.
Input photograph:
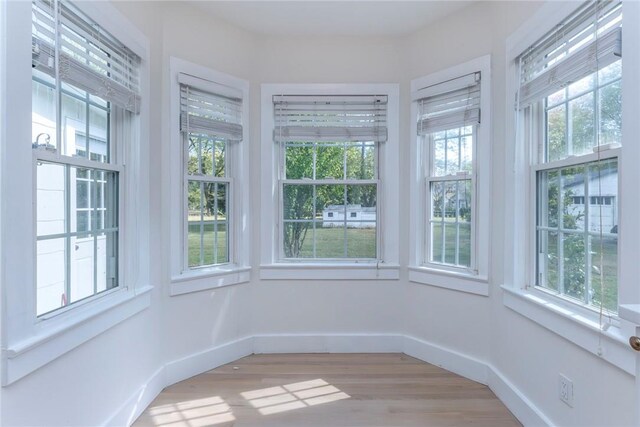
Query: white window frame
[
  {"x": 573, "y": 322},
  {"x": 32, "y": 342},
  {"x": 474, "y": 280},
  {"x": 237, "y": 270},
  {"x": 386, "y": 267}
]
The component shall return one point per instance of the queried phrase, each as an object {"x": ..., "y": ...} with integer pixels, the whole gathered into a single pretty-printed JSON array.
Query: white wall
[{"x": 89, "y": 384}]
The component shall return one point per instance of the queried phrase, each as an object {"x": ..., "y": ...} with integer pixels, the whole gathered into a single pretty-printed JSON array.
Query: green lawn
[
  {"x": 208, "y": 244},
  {"x": 361, "y": 243},
  {"x": 448, "y": 248}
]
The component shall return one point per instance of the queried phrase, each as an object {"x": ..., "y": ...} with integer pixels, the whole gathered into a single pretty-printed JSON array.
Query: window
[
  {"x": 448, "y": 116},
  {"x": 571, "y": 103},
  {"x": 329, "y": 153},
  {"x": 449, "y": 194},
  {"x": 79, "y": 108},
  {"x": 210, "y": 122},
  {"x": 208, "y": 160}
]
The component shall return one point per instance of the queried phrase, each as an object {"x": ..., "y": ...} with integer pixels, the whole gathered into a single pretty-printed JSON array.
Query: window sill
[
  {"x": 330, "y": 271},
  {"x": 579, "y": 329},
  {"x": 211, "y": 278},
  {"x": 61, "y": 335},
  {"x": 630, "y": 313},
  {"x": 472, "y": 284}
]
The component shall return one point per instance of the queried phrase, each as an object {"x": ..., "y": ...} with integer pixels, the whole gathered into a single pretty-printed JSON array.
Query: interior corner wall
[{"x": 88, "y": 384}]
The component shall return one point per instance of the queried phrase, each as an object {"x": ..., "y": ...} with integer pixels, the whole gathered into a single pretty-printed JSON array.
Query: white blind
[
  {"x": 589, "y": 39},
  {"x": 89, "y": 57},
  {"x": 450, "y": 104},
  {"x": 301, "y": 118},
  {"x": 213, "y": 114}
]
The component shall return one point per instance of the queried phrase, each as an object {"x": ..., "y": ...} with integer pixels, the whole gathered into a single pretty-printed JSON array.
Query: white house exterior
[
  {"x": 357, "y": 216},
  {"x": 602, "y": 200}
]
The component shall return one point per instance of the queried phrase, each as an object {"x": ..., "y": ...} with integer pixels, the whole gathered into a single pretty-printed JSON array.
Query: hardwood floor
[{"x": 326, "y": 390}]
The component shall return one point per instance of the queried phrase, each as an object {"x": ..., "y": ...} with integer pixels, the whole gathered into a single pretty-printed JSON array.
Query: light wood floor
[{"x": 327, "y": 390}]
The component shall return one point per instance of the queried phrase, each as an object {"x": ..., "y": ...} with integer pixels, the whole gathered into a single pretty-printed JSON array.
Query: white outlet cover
[{"x": 565, "y": 390}]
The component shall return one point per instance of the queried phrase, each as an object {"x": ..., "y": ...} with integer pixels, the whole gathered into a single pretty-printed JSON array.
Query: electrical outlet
[{"x": 565, "y": 390}]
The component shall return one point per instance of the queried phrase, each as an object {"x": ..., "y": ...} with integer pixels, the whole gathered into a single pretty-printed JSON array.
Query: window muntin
[
  {"x": 77, "y": 167},
  {"x": 576, "y": 131},
  {"x": 329, "y": 200}
]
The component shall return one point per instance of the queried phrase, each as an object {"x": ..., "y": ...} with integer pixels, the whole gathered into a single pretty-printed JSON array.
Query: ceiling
[{"x": 343, "y": 18}]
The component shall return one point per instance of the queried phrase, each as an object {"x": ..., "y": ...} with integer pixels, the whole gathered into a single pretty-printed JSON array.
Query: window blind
[
  {"x": 89, "y": 58},
  {"x": 216, "y": 111},
  {"x": 336, "y": 118},
  {"x": 454, "y": 103},
  {"x": 588, "y": 40}
]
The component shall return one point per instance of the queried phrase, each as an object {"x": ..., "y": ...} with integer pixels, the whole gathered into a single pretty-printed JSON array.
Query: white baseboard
[
  {"x": 519, "y": 405},
  {"x": 325, "y": 343},
  {"x": 195, "y": 364},
  {"x": 178, "y": 370},
  {"x": 448, "y": 359},
  {"x": 138, "y": 402}
]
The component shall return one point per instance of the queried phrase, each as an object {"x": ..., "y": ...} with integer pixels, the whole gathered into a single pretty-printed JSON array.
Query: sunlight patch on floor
[
  {"x": 192, "y": 413},
  {"x": 293, "y": 396}
]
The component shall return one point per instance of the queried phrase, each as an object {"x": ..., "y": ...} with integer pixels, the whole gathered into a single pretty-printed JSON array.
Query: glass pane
[
  {"x": 361, "y": 240},
  {"x": 557, "y": 133},
  {"x": 573, "y": 188},
  {"x": 214, "y": 240},
  {"x": 451, "y": 200},
  {"x": 556, "y": 98},
  {"x": 74, "y": 120},
  {"x": 330, "y": 241},
  {"x": 206, "y": 155},
  {"x": 194, "y": 243},
  {"x": 604, "y": 264},
  {"x": 81, "y": 268},
  {"x": 43, "y": 114},
  {"x": 298, "y": 239},
  {"x": 611, "y": 113},
  {"x": 439, "y": 163},
  {"x": 361, "y": 199},
  {"x": 453, "y": 155},
  {"x": 574, "y": 266},
  {"x": 582, "y": 119},
  {"x": 548, "y": 188},
  {"x": 464, "y": 245},
  {"x": 361, "y": 160},
  {"x": 437, "y": 200},
  {"x": 298, "y": 201},
  {"x": 50, "y": 275},
  {"x": 437, "y": 252},
  {"x": 466, "y": 147},
  {"x": 581, "y": 86},
  {"x": 193, "y": 151},
  {"x": 548, "y": 251},
  {"x": 330, "y": 204},
  {"x": 609, "y": 73},
  {"x": 50, "y": 196},
  {"x": 450, "y": 242},
  {"x": 299, "y": 161},
  {"x": 464, "y": 200},
  {"x": 106, "y": 261},
  {"x": 98, "y": 129},
  {"x": 330, "y": 161},
  {"x": 220, "y": 158}
]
